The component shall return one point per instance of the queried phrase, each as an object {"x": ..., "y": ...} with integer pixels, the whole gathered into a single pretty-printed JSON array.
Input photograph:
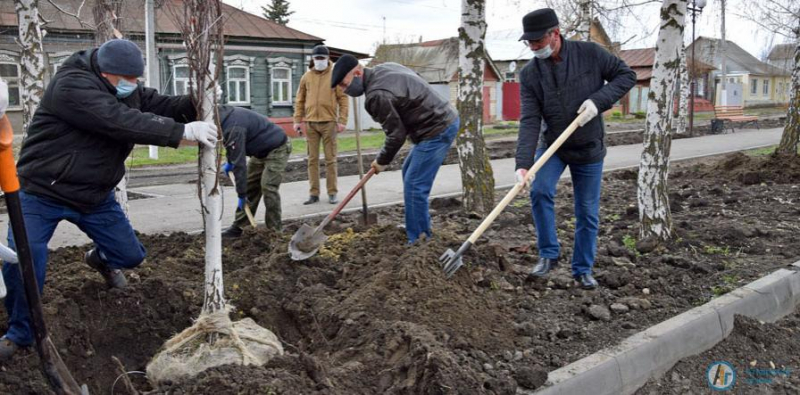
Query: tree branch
[{"x": 76, "y": 15}]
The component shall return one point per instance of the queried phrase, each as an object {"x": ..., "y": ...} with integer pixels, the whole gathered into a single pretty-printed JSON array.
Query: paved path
[{"x": 176, "y": 207}]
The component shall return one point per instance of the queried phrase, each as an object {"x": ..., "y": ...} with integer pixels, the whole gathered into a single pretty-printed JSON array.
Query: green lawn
[
  {"x": 166, "y": 156},
  {"x": 369, "y": 140},
  {"x": 765, "y": 151}
]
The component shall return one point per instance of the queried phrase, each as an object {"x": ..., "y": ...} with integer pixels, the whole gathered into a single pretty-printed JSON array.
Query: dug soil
[
  {"x": 765, "y": 359},
  {"x": 371, "y": 315}
]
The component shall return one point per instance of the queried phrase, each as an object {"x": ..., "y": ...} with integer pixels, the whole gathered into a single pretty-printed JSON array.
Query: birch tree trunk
[
  {"x": 31, "y": 60},
  {"x": 477, "y": 177},
  {"x": 654, "y": 213},
  {"x": 107, "y": 20},
  {"x": 584, "y": 26},
  {"x": 791, "y": 131},
  {"x": 683, "y": 100}
]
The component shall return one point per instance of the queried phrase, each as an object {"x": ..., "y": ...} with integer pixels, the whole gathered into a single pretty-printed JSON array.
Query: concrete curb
[{"x": 624, "y": 368}]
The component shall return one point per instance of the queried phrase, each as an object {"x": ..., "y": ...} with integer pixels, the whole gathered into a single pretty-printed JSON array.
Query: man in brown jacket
[{"x": 324, "y": 110}]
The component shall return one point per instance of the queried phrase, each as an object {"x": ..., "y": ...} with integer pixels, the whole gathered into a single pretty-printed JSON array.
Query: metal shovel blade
[
  {"x": 451, "y": 262},
  {"x": 306, "y": 242}
]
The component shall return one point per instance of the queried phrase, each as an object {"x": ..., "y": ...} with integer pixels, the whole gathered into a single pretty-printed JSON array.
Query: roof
[
  {"x": 736, "y": 54},
  {"x": 435, "y": 61},
  {"x": 782, "y": 52},
  {"x": 642, "y": 60},
  {"x": 238, "y": 23}
]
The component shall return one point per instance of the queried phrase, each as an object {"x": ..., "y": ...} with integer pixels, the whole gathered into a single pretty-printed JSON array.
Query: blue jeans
[
  {"x": 106, "y": 225},
  {"x": 419, "y": 171},
  {"x": 586, "y": 181}
]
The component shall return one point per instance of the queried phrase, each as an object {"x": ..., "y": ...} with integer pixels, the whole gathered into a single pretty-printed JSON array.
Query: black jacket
[
  {"x": 405, "y": 106},
  {"x": 81, "y": 133},
  {"x": 553, "y": 92},
  {"x": 247, "y": 133}
]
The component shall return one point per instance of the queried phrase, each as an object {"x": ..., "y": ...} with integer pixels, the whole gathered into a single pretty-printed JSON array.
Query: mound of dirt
[{"x": 370, "y": 314}]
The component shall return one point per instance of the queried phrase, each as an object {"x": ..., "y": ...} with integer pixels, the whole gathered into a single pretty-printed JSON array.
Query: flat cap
[
  {"x": 536, "y": 23},
  {"x": 341, "y": 68}
]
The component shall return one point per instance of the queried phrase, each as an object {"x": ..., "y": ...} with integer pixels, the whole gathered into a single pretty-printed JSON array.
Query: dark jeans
[
  {"x": 419, "y": 171},
  {"x": 586, "y": 181},
  {"x": 106, "y": 225}
]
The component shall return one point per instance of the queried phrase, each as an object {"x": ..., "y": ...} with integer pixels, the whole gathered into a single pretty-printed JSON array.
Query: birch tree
[
  {"x": 584, "y": 25},
  {"x": 684, "y": 94},
  {"x": 477, "y": 177},
  {"x": 654, "y": 213},
  {"x": 783, "y": 17},
  {"x": 31, "y": 60}
]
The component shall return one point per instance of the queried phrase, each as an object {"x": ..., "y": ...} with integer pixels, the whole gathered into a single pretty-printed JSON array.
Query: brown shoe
[{"x": 114, "y": 277}]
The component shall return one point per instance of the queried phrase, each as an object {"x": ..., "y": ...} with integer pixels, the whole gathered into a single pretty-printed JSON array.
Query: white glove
[
  {"x": 377, "y": 167},
  {"x": 588, "y": 111},
  {"x": 202, "y": 132},
  {"x": 3, "y": 97},
  {"x": 519, "y": 176}
]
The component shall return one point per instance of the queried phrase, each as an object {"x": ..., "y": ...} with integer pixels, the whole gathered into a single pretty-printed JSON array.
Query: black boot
[
  {"x": 232, "y": 232},
  {"x": 114, "y": 277},
  {"x": 544, "y": 266},
  {"x": 311, "y": 200},
  {"x": 587, "y": 281}
]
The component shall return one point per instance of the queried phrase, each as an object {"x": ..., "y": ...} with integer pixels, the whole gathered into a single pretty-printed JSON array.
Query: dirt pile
[{"x": 369, "y": 314}]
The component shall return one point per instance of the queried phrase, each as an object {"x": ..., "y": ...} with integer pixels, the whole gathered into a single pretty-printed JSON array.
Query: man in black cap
[
  {"x": 406, "y": 107},
  {"x": 324, "y": 111},
  {"x": 91, "y": 115},
  {"x": 566, "y": 79},
  {"x": 247, "y": 133}
]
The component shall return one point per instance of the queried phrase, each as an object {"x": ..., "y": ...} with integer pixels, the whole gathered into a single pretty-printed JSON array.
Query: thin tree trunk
[
  {"x": 724, "y": 80},
  {"x": 32, "y": 64},
  {"x": 791, "y": 131},
  {"x": 584, "y": 26},
  {"x": 654, "y": 213},
  {"x": 477, "y": 177},
  {"x": 683, "y": 100}
]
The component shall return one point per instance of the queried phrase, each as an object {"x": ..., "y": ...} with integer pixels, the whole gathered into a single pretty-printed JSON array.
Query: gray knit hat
[{"x": 120, "y": 57}]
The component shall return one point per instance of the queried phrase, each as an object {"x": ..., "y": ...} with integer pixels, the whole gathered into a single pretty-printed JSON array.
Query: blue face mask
[
  {"x": 356, "y": 87},
  {"x": 125, "y": 88}
]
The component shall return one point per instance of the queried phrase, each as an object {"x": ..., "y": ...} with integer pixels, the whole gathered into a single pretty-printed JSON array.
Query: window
[
  {"x": 700, "y": 87},
  {"x": 281, "y": 86},
  {"x": 180, "y": 78},
  {"x": 10, "y": 73},
  {"x": 238, "y": 85},
  {"x": 766, "y": 87},
  {"x": 754, "y": 87},
  {"x": 510, "y": 76}
]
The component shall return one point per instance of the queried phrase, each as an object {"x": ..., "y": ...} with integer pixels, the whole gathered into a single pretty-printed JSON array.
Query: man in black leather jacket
[
  {"x": 91, "y": 115},
  {"x": 566, "y": 79},
  {"x": 407, "y": 108}
]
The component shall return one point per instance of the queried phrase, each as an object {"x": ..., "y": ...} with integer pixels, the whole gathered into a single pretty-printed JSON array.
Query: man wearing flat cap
[
  {"x": 324, "y": 112},
  {"x": 566, "y": 79},
  {"x": 407, "y": 108},
  {"x": 90, "y": 117}
]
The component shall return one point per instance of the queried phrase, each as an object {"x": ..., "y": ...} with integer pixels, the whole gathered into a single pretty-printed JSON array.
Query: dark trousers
[{"x": 106, "y": 225}]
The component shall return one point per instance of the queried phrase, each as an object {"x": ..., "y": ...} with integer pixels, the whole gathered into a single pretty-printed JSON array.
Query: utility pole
[
  {"x": 384, "y": 30},
  {"x": 151, "y": 73},
  {"x": 724, "y": 80}
]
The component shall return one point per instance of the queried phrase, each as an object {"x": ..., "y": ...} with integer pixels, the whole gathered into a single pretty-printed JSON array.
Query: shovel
[
  {"x": 451, "y": 261},
  {"x": 307, "y": 240},
  {"x": 368, "y": 218},
  {"x": 247, "y": 210},
  {"x": 61, "y": 381}
]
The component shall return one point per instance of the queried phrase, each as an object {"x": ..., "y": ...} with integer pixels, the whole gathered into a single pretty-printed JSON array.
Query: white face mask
[
  {"x": 544, "y": 52},
  {"x": 320, "y": 65}
]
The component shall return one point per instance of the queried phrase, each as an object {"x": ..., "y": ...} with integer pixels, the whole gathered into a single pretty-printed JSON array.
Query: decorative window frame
[
  {"x": 239, "y": 61},
  {"x": 57, "y": 60},
  {"x": 175, "y": 61},
  {"x": 282, "y": 63},
  {"x": 765, "y": 89},
  {"x": 10, "y": 57}
]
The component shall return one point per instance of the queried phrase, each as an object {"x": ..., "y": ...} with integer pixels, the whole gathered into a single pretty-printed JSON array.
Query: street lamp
[{"x": 696, "y": 8}]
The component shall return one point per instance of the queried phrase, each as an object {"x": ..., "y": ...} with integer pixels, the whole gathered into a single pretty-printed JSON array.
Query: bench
[{"x": 734, "y": 114}]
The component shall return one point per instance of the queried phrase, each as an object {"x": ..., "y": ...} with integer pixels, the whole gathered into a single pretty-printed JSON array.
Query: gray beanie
[{"x": 120, "y": 57}]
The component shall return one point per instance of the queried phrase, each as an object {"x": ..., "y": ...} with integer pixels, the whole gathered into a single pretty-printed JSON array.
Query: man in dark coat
[
  {"x": 246, "y": 134},
  {"x": 407, "y": 108},
  {"x": 91, "y": 115},
  {"x": 566, "y": 79}
]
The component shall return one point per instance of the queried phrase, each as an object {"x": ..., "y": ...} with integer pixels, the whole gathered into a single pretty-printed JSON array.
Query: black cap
[
  {"x": 341, "y": 68},
  {"x": 536, "y": 23},
  {"x": 320, "y": 50}
]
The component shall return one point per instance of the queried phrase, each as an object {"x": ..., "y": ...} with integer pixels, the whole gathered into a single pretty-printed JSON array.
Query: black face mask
[{"x": 356, "y": 87}]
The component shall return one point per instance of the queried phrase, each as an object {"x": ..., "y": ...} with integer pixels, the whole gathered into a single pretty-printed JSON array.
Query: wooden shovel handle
[
  {"x": 346, "y": 200},
  {"x": 518, "y": 187}
]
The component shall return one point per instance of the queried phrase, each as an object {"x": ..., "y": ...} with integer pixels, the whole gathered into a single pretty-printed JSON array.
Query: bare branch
[{"x": 76, "y": 15}]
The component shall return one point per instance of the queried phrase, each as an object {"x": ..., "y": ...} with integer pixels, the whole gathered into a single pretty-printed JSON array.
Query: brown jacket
[{"x": 317, "y": 102}]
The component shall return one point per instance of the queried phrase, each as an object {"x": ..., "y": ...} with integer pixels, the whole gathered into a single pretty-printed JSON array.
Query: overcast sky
[{"x": 358, "y": 25}]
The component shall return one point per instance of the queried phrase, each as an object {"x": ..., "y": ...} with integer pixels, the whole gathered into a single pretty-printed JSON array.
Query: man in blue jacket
[
  {"x": 91, "y": 115},
  {"x": 247, "y": 133},
  {"x": 566, "y": 79}
]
